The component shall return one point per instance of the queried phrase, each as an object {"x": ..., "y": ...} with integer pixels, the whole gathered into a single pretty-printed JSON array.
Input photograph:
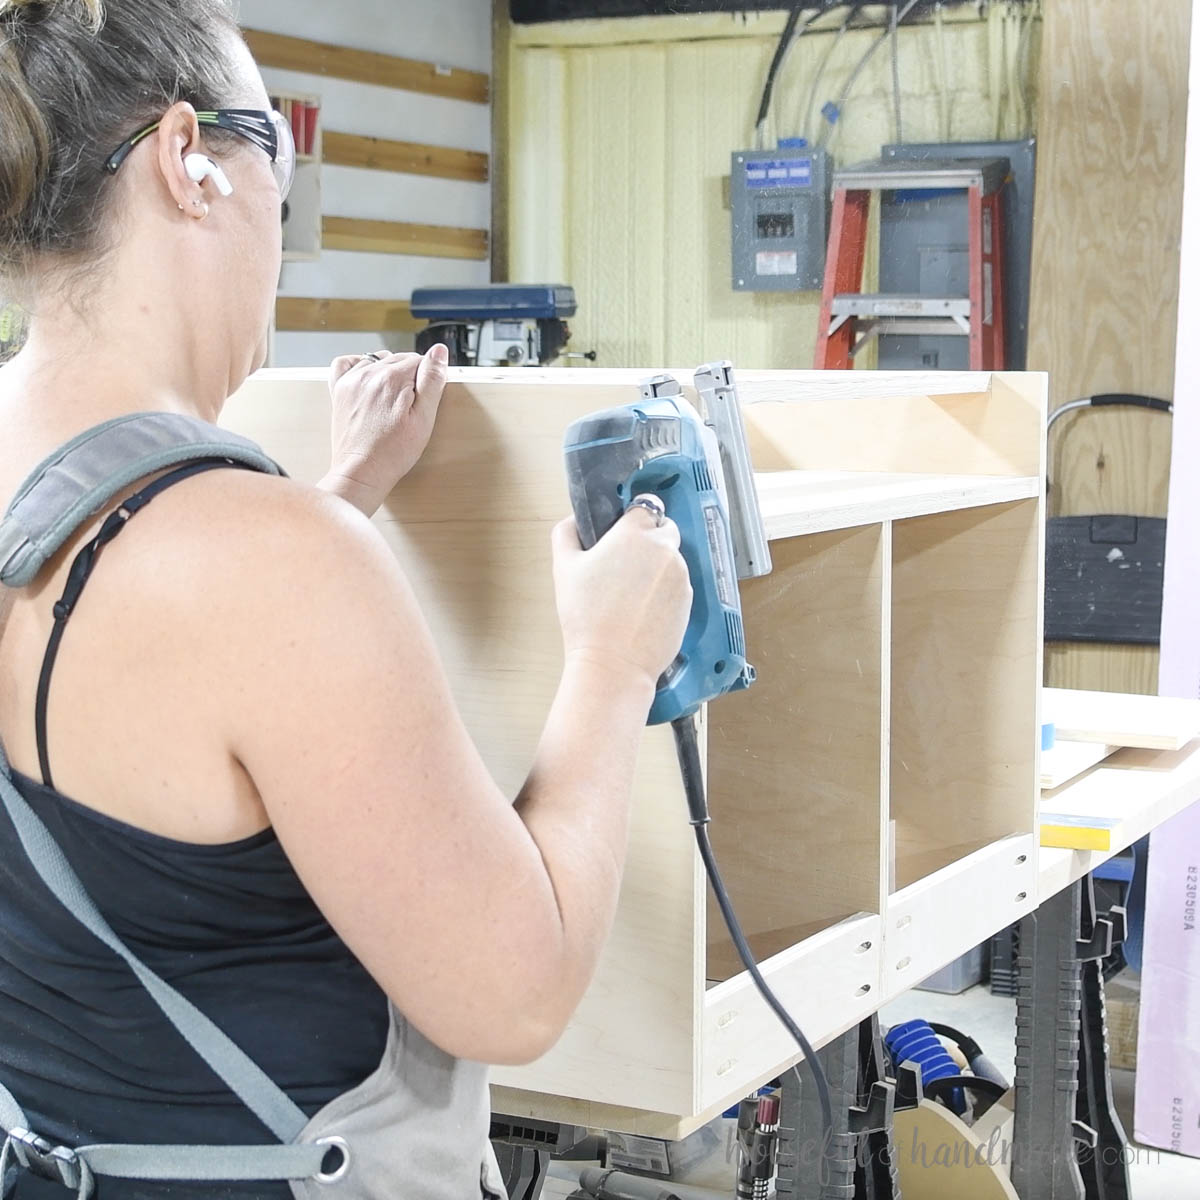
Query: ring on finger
[
  {"x": 375, "y": 356},
  {"x": 653, "y": 506}
]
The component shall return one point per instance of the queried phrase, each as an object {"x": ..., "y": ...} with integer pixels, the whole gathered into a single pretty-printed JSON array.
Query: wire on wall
[
  {"x": 786, "y": 39},
  {"x": 896, "y": 71},
  {"x": 806, "y": 126},
  {"x": 947, "y": 109},
  {"x": 834, "y": 110}
]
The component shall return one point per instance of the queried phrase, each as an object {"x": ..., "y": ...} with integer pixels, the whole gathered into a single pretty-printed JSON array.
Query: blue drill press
[{"x": 498, "y": 324}]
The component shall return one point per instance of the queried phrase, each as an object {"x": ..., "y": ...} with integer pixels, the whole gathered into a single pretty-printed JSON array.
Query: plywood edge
[
  {"x": 1068, "y": 760},
  {"x": 1081, "y": 833},
  {"x": 1146, "y": 787},
  {"x": 940, "y": 917},
  {"x": 366, "y": 66},
  {"x": 1026, "y": 394},
  {"x": 887, "y": 850},
  {"x": 744, "y": 1042},
  {"x": 514, "y": 1102},
  {"x": 795, "y": 503},
  {"x": 1114, "y": 718}
]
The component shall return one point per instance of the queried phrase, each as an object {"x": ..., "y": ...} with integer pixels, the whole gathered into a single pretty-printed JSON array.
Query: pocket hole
[
  {"x": 864, "y": 990},
  {"x": 904, "y": 964},
  {"x": 1022, "y": 896},
  {"x": 1022, "y": 860},
  {"x": 904, "y": 922},
  {"x": 864, "y": 947}
]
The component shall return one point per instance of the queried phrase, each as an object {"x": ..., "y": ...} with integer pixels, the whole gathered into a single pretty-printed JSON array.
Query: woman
[{"x": 258, "y": 771}]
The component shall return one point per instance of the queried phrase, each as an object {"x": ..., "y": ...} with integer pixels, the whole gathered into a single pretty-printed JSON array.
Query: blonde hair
[{"x": 77, "y": 77}]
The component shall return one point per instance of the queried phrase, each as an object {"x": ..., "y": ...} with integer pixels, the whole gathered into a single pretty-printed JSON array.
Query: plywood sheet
[
  {"x": 1108, "y": 215},
  {"x": 1119, "y": 801},
  {"x": 1148, "y": 722},
  {"x": 1070, "y": 759},
  {"x": 966, "y": 629},
  {"x": 795, "y": 763},
  {"x": 475, "y": 506}
]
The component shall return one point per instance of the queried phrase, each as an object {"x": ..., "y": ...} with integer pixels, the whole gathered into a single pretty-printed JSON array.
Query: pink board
[{"x": 1167, "y": 1109}]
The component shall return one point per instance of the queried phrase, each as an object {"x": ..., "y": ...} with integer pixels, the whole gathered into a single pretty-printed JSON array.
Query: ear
[{"x": 179, "y": 136}]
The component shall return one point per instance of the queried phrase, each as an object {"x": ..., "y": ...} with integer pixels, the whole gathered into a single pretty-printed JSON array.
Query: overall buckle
[{"x": 37, "y": 1156}]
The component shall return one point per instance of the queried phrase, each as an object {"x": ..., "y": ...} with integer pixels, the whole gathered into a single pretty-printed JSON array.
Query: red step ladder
[{"x": 850, "y": 319}]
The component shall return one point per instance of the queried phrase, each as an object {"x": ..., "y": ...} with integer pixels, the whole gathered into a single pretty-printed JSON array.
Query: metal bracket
[
  {"x": 876, "y": 1116},
  {"x": 1099, "y": 945},
  {"x": 658, "y": 386},
  {"x": 1118, "y": 918},
  {"x": 910, "y": 1091}
]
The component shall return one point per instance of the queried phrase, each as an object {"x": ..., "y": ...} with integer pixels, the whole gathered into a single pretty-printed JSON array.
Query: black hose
[
  {"x": 1125, "y": 399},
  {"x": 968, "y": 1045}
]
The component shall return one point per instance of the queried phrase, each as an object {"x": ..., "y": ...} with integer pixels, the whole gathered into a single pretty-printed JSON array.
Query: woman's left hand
[{"x": 383, "y": 415}]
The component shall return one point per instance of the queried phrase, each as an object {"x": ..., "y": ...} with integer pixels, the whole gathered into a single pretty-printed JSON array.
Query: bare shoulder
[
  {"x": 274, "y": 583},
  {"x": 248, "y": 540}
]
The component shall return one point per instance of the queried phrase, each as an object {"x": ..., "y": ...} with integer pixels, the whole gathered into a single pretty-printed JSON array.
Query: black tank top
[{"x": 87, "y": 1053}]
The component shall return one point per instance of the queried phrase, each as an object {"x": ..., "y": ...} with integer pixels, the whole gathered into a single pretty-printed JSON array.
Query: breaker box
[{"x": 780, "y": 201}]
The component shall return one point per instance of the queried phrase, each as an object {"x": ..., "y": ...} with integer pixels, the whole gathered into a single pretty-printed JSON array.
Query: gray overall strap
[
  {"x": 78, "y": 479},
  {"x": 245, "y": 1078}
]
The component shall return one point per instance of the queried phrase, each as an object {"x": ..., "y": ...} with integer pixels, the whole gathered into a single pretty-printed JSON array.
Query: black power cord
[
  {"x": 688, "y": 748},
  {"x": 785, "y": 44}
]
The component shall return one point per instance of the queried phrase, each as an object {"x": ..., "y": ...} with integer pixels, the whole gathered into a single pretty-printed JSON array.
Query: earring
[
  {"x": 196, "y": 203},
  {"x": 180, "y": 207}
]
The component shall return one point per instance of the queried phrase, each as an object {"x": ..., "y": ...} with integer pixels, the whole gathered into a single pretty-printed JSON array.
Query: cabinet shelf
[
  {"x": 874, "y": 794},
  {"x": 795, "y": 503}
]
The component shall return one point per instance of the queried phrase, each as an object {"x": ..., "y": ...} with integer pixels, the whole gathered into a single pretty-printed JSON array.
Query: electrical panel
[
  {"x": 923, "y": 250},
  {"x": 780, "y": 201}
]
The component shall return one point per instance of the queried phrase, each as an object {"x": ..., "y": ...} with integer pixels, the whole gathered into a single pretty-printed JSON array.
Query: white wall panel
[
  {"x": 454, "y": 33},
  {"x": 390, "y": 112},
  {"x": 343, "y": 275},
  {"x": 321, "y": 348},
  {"x": 391, "y": 196}
]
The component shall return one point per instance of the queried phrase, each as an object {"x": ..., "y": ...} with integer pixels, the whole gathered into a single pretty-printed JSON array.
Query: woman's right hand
[{"x": 625, "y": 603}]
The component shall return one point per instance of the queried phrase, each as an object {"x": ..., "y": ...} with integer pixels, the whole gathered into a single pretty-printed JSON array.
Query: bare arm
[{"x": 343, "y": 717}]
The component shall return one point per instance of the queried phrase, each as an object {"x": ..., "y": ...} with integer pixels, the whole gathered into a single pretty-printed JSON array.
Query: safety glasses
[{"x": 269, "y": 131}]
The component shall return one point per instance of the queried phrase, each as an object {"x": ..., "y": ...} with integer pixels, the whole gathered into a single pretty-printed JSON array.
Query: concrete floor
[{"x": 991, "y": 1021}]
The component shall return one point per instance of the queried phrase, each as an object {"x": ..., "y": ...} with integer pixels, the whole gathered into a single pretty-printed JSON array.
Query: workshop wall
[
  {"x": 619, "y": 136},
  {"x": 454, "y": 32}
]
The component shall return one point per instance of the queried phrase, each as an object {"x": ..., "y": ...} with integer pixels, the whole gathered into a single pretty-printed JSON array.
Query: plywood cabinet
[{"x": 874, "y": 795}]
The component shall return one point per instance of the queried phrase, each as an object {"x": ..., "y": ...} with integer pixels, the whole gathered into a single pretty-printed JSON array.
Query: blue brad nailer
[
  {"x": 702, "y": 474},
  {"x": 699, "y": 467}
]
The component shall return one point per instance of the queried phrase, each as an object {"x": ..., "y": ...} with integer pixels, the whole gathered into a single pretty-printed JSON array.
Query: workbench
[{"x": 874, "y": 796}]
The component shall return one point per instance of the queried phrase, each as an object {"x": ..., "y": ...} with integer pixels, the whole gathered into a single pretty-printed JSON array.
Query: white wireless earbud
[{"x": 200, "y": 167}]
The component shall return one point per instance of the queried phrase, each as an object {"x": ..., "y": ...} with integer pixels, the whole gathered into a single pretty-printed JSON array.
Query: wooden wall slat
[
  {"x": 366, "y": 66},
  {"x": 401, "y": 237},
  {"x": 1112, "y": 113},
  {"x": 295, "y": 314},
  {"x": 413, "y": 158}
]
